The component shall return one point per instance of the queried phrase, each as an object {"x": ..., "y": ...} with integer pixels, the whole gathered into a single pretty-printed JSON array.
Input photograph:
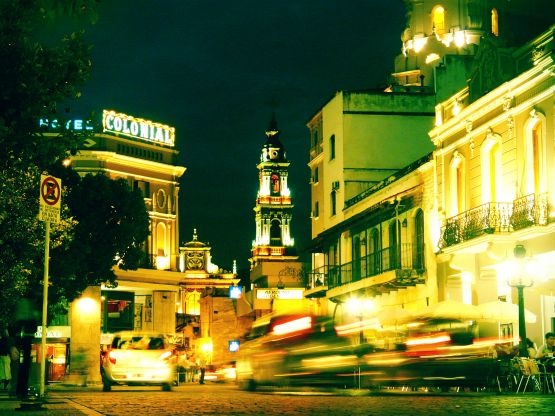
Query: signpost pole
[
  {"x": 44, "y": 309},
  {"x": 49, "y": 212}
]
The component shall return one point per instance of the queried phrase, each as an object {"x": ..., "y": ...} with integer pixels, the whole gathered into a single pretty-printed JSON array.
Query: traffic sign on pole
[{"x": 50, "y": 199}]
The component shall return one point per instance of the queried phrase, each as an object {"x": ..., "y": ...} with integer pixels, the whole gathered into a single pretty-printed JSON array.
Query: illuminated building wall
[
  {"x": 441, "y": 38},
  {"x": 165, "y": 293},
  {"x": 494, "y": 166},
  {"x": 141, "y": 152}
]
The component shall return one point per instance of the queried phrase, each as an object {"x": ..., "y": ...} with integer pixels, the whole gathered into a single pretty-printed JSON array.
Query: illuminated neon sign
[
  {"x": 279, "y": 294},
  {"x": 137, "y": 128},
  {"x": 76, "y": 124}
]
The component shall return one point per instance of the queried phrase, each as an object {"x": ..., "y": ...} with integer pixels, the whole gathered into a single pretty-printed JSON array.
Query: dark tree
[
  {"x": 103, "y": 223},
  {"x": 111, "y": 226}
]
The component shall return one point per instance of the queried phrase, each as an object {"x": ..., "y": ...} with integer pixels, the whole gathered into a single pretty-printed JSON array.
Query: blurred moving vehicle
[
  {"x": 434, "y": 352},
  {"x": 138, "y": 359},
  {"x": 293, "y": 350},
  {"x": 222, "y": 374}
]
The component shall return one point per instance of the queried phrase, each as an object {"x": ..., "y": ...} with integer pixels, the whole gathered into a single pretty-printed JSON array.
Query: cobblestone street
[{"x": 220, "y": 399}]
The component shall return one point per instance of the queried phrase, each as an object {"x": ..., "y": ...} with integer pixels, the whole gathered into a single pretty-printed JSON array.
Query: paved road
[{"x": 219, "y": 399}]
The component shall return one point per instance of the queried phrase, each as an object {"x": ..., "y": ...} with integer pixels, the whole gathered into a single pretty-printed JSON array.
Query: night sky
[{"x": 216, "y": 70}]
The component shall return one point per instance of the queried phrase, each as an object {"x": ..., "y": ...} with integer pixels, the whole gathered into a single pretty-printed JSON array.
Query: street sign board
[{"x": 50, "y": 199}]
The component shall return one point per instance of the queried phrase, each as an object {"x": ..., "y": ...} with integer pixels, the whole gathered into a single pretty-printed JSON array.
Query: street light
[{"x": 521, "y": 278}]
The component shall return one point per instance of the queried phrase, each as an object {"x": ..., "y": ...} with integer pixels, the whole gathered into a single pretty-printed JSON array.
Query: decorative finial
[
  {"x": 194, "y": 234},
  {"x": 273, "y": 127}
]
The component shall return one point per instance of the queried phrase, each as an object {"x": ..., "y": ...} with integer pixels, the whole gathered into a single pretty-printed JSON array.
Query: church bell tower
[{"x": 273, "y": 209}]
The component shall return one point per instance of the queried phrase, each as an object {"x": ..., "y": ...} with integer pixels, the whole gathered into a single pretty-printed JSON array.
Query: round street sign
[{"x": 50, "y": 190}]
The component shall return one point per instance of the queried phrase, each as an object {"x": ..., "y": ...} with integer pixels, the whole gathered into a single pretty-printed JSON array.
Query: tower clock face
[
  {"x": 195, "y": 261},
  {"x": 274, "y": 153}
]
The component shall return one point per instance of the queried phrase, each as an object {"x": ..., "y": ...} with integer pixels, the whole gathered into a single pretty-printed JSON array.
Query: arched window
[
  {"x": 457, "y": 183},
  {"x": 418, "y": 244},
  {"x": 192, "y": 300},
  {"x": 491, "y": 168},
  {"x": 333, "y": 202},
  {"x": 275, "y": 233},
  {"x": 535, "y": 154},
  {"x": 275, "y": 184},
  {"x": 161, "y": 239},
  {"x": 438, "y": 20},
  {"x": 332, "y": 147},
  {"x": 494, "y": 22}
]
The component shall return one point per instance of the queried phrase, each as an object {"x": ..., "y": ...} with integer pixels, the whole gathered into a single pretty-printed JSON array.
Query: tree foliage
[{"x": 102, "y": 220}]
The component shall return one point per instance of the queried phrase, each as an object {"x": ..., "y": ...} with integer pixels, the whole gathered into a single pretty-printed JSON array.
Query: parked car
[{"x": 139, "y": 359}]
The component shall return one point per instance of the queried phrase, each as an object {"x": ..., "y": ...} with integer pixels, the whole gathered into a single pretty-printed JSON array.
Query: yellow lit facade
[
  {"x": 494, "y": 166},
  {"x": 443, "y": 225},
  {"x": 165, "y": 294}
]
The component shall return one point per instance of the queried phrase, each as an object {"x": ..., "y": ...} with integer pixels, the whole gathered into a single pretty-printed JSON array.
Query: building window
[
  {"x": 315, "y": 175},
  {"x": 494, "y": 22},
  {"x": 275, "y": 233},
  {"x": 316, "y": 212},
  {"x": 118, "y": 310},
  {"x": 275, "y": 184},
  {"x": 535, "y": 155},
  {"x": 192, "y": 300},
  {"x": 161, "y": 239},
  {"x": 418, "y": 245},
  {"x": 374, "y": 260},
  {"x": 356, "y": 255},
  {"x": 394, "y": 243},
  {"x": 333, "y": 202},
  {"x": 491, "y": 168},
  {"x": 438, "y": 20},
  {"x": 332, "y": 147},
  {"x": 315, "y": 139},
  {"x": 457, "y": 183}
]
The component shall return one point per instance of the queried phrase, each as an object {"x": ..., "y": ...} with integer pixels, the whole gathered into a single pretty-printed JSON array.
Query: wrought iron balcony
[
  {"x": 406, "y": 259},
  {"x": 495, "y": 217}
]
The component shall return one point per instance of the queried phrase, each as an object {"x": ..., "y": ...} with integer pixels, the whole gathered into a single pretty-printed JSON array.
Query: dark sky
[{"x": 215, "y": 70}]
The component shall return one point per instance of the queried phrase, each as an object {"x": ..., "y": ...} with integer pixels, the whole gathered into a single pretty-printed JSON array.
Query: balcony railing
[
  {"x": 406, "y": 257},
  {"x": 495, "y": 217},
  {"x": 318, "y": 277}
]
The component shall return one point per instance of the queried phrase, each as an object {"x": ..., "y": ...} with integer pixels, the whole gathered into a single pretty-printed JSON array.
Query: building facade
[
  {"x": 165, "y": 294},
  {"x": 494, "y": 164},
  {"x": 391, "y": 235}
]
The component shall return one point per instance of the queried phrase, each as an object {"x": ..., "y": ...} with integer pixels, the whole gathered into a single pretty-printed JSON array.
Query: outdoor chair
[
  {"x": 529, "y": 370},
  {"x": 507, "y": 375},
  {"x": 547, "y": 377}
]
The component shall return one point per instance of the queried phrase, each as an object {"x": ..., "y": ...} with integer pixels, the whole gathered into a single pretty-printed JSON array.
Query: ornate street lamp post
[{"x": 520, "y": 280}]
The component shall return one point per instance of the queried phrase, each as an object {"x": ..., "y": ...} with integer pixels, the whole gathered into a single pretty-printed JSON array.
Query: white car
[{"x": 139, "y": 359}]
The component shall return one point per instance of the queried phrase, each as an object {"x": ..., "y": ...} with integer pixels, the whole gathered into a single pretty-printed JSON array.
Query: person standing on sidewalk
[
  {"x": 5, "y": 360},
  {"x": 202, "y": 367}
]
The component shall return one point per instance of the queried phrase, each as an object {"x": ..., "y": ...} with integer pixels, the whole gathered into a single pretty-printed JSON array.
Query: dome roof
[{"x": 194, "y": 243}]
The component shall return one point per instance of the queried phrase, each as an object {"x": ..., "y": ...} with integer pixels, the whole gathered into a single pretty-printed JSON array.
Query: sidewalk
[{"x": 54, "y": 404}]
